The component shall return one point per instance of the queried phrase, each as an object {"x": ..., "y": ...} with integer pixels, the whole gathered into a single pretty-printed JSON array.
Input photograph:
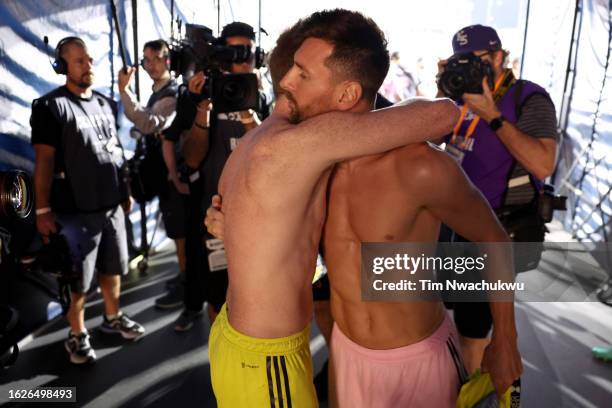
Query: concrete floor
[{"x": 170, "y": 369}]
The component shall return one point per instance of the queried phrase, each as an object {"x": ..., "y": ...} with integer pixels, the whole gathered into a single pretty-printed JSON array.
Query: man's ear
[{"x": 350, "y": 96}]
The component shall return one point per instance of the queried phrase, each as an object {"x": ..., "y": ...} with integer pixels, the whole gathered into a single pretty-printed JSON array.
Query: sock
[{"x": 112, "y": 317}]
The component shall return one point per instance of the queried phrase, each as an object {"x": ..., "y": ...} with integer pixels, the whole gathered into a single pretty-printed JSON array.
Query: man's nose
[{"x": 286, "y": 83}]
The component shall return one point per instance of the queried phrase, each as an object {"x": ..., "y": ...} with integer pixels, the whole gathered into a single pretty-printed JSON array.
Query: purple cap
[{"x": 475, "y": 37}]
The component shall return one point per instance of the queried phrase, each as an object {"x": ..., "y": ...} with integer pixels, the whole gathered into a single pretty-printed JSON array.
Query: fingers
[
  {"x": 441, "y": 64},
  {"x": 216, "y": 202},
  {"x": 485, "y": 87},
  {"x": 46, "y": 226},
  {"x": 196, "y": 83},
  {"x": 183, "y": 188},
  {"x": 213, "y": 223}
]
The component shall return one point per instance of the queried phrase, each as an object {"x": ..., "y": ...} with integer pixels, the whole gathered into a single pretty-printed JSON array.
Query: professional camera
[
  {"x": 17, "y": 232},
  {"x": 463, "y": 73},
  {"x": 16, "y": 201},
  {"x": 16, "y": 194},
  {"x": 201, "y": 51}
]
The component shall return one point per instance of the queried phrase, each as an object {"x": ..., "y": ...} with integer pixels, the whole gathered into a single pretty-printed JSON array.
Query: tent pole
[
  {"x": 525, "y": 37},
  {"x": 135, "y": 35}
]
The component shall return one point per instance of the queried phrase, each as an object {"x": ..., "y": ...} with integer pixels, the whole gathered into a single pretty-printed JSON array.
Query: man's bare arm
[
  {"x": 169, "y": 159},
  {"x": 458, "y": 204},
  {"x": 197, "y": 140},
  {"x": 338, "y": 136},
  {"x": 536, "y": 155},
  {"x": 43, "y": 177}
]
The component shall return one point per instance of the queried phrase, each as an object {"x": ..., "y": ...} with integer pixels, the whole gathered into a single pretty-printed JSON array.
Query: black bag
[
  {"x": 524, "y": 224},
  {"x": 148, "y": 172}
]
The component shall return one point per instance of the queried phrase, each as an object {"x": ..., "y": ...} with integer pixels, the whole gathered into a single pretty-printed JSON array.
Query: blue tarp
[{"x": 584, "y": 105}]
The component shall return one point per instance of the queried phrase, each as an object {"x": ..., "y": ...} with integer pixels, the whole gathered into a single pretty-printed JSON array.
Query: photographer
[
  {"x": 79, "y": 191},
  {"x": 209, "y": 140},
  {"x": 149, "y": 121},
  {"x": 505, "y": 141}
]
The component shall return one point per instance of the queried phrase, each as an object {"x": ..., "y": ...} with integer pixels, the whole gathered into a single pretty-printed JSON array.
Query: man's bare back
[
  {"x": 274, "y": 197},
  {"x": 393, "y": 197},
  {"x": 270, "y": 293}
]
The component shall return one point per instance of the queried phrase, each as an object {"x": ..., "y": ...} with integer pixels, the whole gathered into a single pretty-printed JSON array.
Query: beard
[
  {"x": 85, "y": 81},
  {"x": 294, "y": 110}
]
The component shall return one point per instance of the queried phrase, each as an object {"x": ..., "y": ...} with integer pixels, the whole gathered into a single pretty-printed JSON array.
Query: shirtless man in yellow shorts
[{"x": 274, "y": 188}]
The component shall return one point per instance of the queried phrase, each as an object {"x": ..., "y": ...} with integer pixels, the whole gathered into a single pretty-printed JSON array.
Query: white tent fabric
[
  {"x": 584, "y": 171},
  {"x": 582, "y": 95}
]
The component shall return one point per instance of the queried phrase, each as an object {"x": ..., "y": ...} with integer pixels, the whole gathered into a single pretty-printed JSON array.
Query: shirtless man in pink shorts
[{"x": 395, "y": 354}]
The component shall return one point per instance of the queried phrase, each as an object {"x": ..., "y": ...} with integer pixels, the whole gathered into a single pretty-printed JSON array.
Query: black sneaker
[
  {"x": 123, "y": 325},
  {"x": 186, "y": 320},
  {"x": 79, "y": 348},
  {"x": 171, "y": 300}
]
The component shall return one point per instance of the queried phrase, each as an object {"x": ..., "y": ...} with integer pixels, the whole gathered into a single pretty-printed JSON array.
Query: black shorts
[
  {"x": 473, "y": 319},
  {"x": 173, "y": 206},
  {"x": 320, "y": 289},
  {"x": 97, "y": 242}
]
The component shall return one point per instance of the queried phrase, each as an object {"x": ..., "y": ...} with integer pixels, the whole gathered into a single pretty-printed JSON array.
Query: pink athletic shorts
[{"x": 423, "y": 374}]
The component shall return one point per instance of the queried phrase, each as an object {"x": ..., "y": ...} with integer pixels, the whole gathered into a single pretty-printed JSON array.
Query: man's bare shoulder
[{"x": 426, "y": 164}]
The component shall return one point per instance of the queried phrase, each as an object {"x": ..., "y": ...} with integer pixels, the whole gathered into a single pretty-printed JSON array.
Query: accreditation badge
[
  {"x": 455, "y": 152},
  {"x": 216, "y": 255}
]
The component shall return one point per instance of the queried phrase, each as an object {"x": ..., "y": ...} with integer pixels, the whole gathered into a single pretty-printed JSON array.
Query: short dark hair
[
  {"x": 61, "y": 46},
  {"x": 238, "y": 29},
  {"x": 158, "y": 45},
  {"x": 360, "y": 47},
  {"x": 280, "y": 59}
]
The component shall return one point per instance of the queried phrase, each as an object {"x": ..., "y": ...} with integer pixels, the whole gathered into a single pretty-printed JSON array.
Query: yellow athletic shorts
[{"x": 251, "y": 372}]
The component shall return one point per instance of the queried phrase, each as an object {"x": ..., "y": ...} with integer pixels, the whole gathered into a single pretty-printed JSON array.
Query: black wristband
[
  {"x": 497, "y": 122},
  {"x": 200, "y": 126}
]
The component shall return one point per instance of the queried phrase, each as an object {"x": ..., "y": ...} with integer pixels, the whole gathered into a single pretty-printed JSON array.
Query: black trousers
[{"x": 195, "y": 269}]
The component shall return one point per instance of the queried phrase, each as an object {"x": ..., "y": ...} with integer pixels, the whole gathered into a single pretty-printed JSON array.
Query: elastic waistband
[
  {"x": 430, "y": 344},
  {"x": 281, "y": 345}
]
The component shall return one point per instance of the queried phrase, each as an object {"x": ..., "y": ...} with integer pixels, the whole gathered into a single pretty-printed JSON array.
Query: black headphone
[
  {"x": 166, "y": 56},
  {"x": 59, "y": 64}
]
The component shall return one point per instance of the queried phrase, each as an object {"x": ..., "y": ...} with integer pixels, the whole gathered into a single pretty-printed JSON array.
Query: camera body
[
  {"x": 548, "y": 202},
  {"x": 16, "y": 203},
  {"x": 463, "y": 73},
  {"x": 201, "y": 51}
]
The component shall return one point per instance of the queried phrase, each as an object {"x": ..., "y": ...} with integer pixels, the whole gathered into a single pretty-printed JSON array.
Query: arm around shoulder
[{"x": 339, "y": 136}]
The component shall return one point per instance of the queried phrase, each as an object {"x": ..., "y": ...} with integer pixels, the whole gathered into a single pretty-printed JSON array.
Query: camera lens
[
  {"x": 452, "y": 84},
  {"x": 233, "y": 91},
  {"x": 16, "y": 194}
]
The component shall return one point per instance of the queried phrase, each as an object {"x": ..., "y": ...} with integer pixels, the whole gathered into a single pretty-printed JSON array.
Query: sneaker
[
  {"x": 172, "y": 300},
  {"x": 603, "y": 353},
  {"x": 186, "y": 320},
  {"x": 123, "y": 325},
  {"x": 79, "y": 348},
  {"x": 174, "y": 282}
]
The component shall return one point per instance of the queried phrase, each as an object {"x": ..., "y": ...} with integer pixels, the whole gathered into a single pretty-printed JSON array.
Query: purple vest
[{"x": 486, "y": 160}]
